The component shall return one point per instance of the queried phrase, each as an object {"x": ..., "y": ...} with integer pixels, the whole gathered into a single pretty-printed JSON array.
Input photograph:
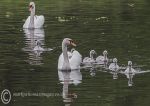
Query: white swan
[
  {"x": 66, "y": 60},
  {"x": 102, "y": 59},
  {"x": 91, "y": 58},
  {"x": 33, "y": 21},
  {"x": 114, "y": 66}
]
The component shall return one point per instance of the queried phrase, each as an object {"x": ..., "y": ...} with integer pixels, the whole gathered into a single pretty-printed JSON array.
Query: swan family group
[{"x": 72, "y": 60}]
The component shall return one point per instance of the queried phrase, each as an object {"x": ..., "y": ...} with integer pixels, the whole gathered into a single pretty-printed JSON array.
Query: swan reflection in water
[
  {"x": 34, "y": 45},
  {"x": 68, "y": 77},
  {"x": 69, "y": 69}
]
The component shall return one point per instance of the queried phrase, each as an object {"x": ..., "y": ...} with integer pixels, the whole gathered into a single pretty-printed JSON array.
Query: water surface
[{"x": 121, "y": 27}]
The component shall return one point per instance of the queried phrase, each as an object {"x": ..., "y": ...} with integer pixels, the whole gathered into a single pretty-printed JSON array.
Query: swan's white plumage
[
  {"x": 33, "y": 21},
  {"x": 74, "y": 76},
  {"x": 38, "y": 22},
  {"x": 75, "y": 59},
  {"x": 69, "y": 60}
]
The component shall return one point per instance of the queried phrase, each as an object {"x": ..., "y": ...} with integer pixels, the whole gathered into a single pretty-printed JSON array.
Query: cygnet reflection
[{"x": 34, "y": 45}]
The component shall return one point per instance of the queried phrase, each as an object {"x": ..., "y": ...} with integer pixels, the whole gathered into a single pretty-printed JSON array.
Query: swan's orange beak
[
  {"x": 30, "y": 7},
  {"x": 73, "y": 44}
]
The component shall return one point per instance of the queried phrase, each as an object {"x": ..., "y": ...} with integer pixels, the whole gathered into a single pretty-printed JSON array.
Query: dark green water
[{"x": 120, "y": 26}]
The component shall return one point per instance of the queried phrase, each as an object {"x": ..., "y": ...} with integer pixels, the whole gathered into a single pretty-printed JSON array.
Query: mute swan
[
  {"x": 114, "y": 66},
  {"x": 91, "y": 58},
  {"x": 33, "y": 21},
  {"x": 102, "y": 59},
  {"x": 66, "y": 60}
]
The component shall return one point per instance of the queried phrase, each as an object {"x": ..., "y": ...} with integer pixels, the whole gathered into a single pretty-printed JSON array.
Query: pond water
[{"x": 120, "y": 27}]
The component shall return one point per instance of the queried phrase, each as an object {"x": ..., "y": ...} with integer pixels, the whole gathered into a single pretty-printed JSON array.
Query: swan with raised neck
[
  {"x": 32, "y": 14},
  {"x": 33, "y": 21},
  {"x": 66, "y": 42}
]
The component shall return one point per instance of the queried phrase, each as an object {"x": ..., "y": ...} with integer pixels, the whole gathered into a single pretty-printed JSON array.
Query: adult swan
[
  {"x": 69, "y": 60},
  {"x": 33, "y": 21}
]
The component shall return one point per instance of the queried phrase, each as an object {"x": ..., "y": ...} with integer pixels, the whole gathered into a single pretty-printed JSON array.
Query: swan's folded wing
[
  {"x": 26, "y": 24},
  {"x": 76, "y": 76},
  {"x": 76, "y": 60},
  {"x": 39, "y": 21},
  {"x": 61, "y": 60}
]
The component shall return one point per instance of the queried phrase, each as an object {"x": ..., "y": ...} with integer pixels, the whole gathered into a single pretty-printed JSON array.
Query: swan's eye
[
  {"x": 71, "y": 41},
  {"x": 31, "y": 6}
]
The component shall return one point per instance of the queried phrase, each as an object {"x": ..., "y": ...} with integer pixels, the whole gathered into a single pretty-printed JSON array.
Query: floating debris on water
[
  {"x": 103, "y": 19},
  {"x": 8, "y": 14},
  {"x": 65, "y": 19},
  {"x": 62, "y": 19},
  {"x": 86, "y": 22},
  {"x": 102, "y": 33},
  {"x": 131, "y": 4}
]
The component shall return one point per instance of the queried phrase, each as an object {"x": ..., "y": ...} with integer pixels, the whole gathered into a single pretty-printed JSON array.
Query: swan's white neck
[
  {"x": 66, "y": 64},
  {"x": 32, "y": 14}
]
